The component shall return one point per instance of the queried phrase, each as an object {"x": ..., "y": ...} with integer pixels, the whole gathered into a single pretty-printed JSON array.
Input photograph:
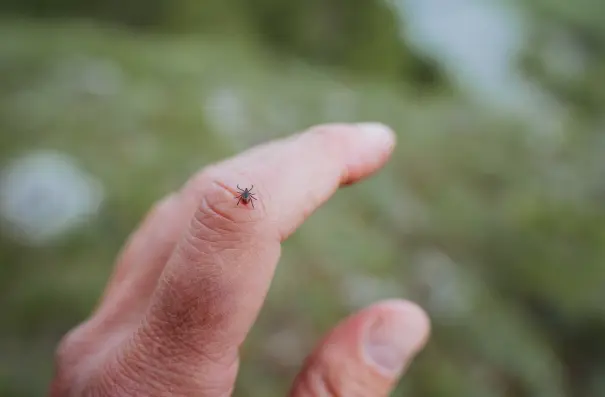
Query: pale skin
[{"x": 189, "y": 283}]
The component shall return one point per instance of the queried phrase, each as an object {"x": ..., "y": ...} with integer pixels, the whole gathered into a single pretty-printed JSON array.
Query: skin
[{"x": 190, "y": 282}]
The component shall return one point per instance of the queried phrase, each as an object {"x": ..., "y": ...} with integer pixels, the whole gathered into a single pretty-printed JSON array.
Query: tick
[{"x": 246, "y": 196}]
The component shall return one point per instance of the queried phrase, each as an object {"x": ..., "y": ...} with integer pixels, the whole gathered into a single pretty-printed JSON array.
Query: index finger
[
  {"x": 217, "y": 278},
  {"x": 292, "y": 177}
]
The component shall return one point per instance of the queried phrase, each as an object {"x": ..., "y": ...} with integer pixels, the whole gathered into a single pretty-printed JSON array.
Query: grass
[{"x": 466, "y": 219}]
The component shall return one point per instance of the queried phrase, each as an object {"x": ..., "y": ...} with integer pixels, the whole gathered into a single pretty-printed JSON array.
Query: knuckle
[
  {"x": 166, "y": 360},
  {"x": 318, "y": 382},
  {"x": 218, "y": 215},
  {"x": 63, "y": 352},
  {"x": 72, "y": 351},
  {"x": 69, "y": 349},
  {"x": 327, "y": 377}
]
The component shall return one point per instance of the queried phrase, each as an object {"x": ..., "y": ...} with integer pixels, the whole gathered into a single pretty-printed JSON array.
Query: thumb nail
[{"x": 394, "y": 337}]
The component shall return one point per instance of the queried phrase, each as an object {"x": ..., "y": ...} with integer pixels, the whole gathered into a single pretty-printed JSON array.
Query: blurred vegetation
[{"x": 497, "y": 229}]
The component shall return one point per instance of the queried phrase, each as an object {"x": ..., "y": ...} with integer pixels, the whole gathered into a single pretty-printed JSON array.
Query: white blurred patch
[
  {"x": 477, "y": 43},
  {"x": 94, "y": 76},
  {"x": 225, "y": 111},
  {"x": 45, "y": 194},
  {"x": 410, "y": 214},
  {"x": 285, "y": 347},
  {"x": 359, "y": 290},
  {"x": 339, "y": 105},
  {"x": 280, "y": 116},
  {"x": 563, "y": 57},
  {"x": 449, "y": 294}
]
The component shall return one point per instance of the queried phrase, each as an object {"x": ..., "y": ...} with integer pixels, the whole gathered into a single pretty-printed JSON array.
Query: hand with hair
[{"x": 191, "y": 280}]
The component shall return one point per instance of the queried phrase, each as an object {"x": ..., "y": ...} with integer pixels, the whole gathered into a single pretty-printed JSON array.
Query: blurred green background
[{"x": 491, "y": 214}]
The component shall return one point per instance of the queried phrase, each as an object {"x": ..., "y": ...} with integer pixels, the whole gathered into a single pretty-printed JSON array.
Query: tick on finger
[{"x": 246, "y": 196}]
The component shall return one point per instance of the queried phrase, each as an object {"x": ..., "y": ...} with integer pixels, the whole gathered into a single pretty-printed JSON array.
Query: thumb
[{"x": 366, "y": 353}]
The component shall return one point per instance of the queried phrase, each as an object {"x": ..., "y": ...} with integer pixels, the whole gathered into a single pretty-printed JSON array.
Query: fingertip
[
  {"x": 366, "y": 137},
  {"x": 405, "y": 309},
  {"x": 377, "y": 135},
  {"x": 371, "y": 146},
  {"x": 395, "y": 331},
  {"x": 366, "y": 353},
  {"x": 358, "y": 150}
]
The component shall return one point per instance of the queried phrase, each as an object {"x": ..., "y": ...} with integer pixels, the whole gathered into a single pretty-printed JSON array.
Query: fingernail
[
  {"x": 394, "y": 337},
  {"x": 377, "y": 133}
]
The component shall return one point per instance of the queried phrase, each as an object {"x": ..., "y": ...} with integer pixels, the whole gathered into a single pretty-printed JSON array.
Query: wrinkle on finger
[
  {"x": 225, "y": 251},
  {"x": 218, "y": 225}
]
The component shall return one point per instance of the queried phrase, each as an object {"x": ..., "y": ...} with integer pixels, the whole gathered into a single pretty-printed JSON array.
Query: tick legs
[{"x": 247, "y": 192}]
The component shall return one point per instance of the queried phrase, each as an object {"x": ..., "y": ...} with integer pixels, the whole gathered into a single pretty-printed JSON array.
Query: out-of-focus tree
[
  {"x": 567, "y": 53},
  {"x": 496, "y": 231},
  {"x": 361, "y": 36}
]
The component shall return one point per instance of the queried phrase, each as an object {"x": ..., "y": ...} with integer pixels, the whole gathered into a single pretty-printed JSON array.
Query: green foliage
[
  {"x": 361, "y": 35},
  {"x": 495, "y": 230},
  {"x": 567, "y": 53}
]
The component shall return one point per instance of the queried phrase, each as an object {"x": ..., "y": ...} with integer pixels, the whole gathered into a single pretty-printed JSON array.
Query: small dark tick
[{"x": 246, "y": 196}]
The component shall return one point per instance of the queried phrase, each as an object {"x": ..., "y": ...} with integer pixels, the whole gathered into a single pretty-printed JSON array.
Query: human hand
[{"x": 191, "y": 280}]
